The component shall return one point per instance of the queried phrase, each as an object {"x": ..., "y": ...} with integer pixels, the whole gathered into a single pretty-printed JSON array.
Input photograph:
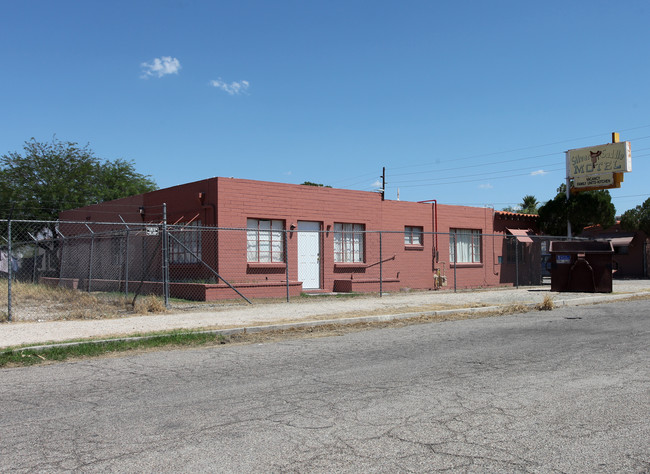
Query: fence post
[
  {"x": 165, "y": 257},
  {"x": 9, "y": 269},
  {"x": 381, "y": 268},
  {"x": 143, "y": 250},
  {"x": 517, "y": 262},
  {"x": 126, "y": 265},
  {"x": 62, "y": 237},
  {"x": 90, "y": 259},
  {"x": 286, "y": 261}
]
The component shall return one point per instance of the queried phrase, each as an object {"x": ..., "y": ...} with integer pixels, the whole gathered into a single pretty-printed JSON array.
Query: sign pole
[{"x": 568, "y": 195}]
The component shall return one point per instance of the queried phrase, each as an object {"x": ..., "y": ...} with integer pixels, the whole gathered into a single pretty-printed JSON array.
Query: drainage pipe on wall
[
  {"x": 435, "y": 225},
  {"x": 381, "y": 269}
]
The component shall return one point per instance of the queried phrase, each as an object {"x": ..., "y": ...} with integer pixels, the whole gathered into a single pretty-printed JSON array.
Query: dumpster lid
[
  {"x": 521, "y": 235},
  {"x": 581, "y": 246}
]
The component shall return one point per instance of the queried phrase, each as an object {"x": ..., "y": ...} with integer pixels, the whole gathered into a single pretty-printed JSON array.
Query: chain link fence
[{"x": 59, "y": 270}]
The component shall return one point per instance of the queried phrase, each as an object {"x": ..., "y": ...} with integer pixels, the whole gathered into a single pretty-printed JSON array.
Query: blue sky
[{"x": 466, "y": 102}]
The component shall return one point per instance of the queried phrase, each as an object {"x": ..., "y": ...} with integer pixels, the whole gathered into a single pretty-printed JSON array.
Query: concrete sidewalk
[{"x": 306, "y": 310}]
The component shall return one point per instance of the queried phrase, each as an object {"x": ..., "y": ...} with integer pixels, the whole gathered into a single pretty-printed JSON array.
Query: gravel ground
[{"x": 306, "y": 309}]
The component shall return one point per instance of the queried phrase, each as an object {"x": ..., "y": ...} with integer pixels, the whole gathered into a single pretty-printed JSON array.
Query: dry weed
[
  {"x": 513, "y": 308},
  {"x": 54, "y": 303},
  {"x": 149, "y": 304},
  {"x": 26, "y": 293},
  {"x": 547, "y": 305}
]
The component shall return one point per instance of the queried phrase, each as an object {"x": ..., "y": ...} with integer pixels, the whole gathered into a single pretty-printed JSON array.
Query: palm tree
[{"x": 529, "y": 205}]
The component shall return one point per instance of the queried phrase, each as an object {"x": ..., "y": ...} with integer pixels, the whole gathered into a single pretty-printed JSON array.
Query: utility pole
[
  {"x": 568, "y": 196},
  {"x": 383, "y": 182}
]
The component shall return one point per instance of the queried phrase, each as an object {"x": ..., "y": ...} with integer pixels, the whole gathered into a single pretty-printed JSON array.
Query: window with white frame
[
  {"x": 265, "y": 240},
  {"x": 348, "y": 243},
  {"x": 412, "y": 235},
  {"x": 465, "y": 246},
  {"x": 185, "y": 242}
]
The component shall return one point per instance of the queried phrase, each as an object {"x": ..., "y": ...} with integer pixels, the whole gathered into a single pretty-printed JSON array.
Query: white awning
[{"x": 621, "y": 241}]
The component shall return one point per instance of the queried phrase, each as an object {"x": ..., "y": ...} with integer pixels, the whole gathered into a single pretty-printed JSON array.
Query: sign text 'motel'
[{"x": 600, "y": 159}]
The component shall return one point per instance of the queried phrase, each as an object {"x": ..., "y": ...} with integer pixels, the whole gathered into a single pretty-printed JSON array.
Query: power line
[
  {"x": 477, "y": 174},
  {"x": 481, "y": 155},
  {"x": 440, "y": 170},
  {"x": 404, "y": 183},
  {"x": 363, "y": 178},
  {"x": 479, "y": 179}
]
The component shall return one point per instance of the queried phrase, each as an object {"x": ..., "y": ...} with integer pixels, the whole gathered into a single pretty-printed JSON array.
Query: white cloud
[
  {"x": 485, "y": 186},
  {"x": 160, "y": 67},
  {"x": 234, "y": 88},
  {"x": 539, "y": 173},
  {"x": 376, "y": 184}
]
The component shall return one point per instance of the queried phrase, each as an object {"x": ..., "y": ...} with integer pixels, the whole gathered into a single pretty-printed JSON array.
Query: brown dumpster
[{"x": 583, "y": 266}]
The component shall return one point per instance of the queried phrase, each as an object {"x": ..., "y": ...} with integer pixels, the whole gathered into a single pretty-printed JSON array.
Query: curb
[
  {"x": 273, "y": 327},
  {"x": 341, "y": 321}
]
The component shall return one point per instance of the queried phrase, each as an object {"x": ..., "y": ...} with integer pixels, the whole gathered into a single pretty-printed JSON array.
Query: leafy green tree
[
  {"x": 50, "y": 177},
  {"x": 553, "y": 216},
  {"x": 637, "y": 218},
  {"x": 592, "y": 208},
  {"x": 119, "y": 179},
  {"x": 582, "y": 209},
  {"x": 310, "y": 183}
]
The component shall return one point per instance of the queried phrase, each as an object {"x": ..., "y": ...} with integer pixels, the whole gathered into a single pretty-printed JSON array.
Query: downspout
[
  {"x": 214, "y": 212},
  {"x": 435, "y": 226},
  {"x": 495, "y": 260},
  {"x": 483, "y": 249},
  {"x": 204, "y": 206}
]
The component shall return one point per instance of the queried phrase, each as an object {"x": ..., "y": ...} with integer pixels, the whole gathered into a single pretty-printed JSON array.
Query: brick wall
[
  {"x": 228, "y": 203},
  {"x": 242, "y": 199}
]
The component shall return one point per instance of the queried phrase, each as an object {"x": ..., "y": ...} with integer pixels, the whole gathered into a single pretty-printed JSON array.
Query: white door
[{"x": 309, "y": 254}]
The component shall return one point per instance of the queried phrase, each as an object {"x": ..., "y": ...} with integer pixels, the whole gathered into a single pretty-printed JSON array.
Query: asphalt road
[{"x": 560, "y": 391}]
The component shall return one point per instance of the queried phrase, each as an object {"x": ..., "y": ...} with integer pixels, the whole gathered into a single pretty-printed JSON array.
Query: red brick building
[
  {"x": 631, "y": 250},
  {"x": 321, "y": 239}
]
